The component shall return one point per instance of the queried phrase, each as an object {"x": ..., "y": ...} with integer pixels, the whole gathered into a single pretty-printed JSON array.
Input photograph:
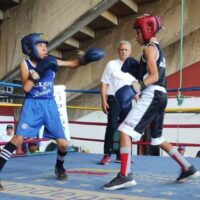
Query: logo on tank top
[
  {"x": 45, "y": 88},
  {"x": 44, "y": 85},
  {"x": 24, "y": 126}
]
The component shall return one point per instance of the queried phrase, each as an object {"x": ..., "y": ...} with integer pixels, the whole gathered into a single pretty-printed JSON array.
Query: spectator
[
  {"x": 7, "y": 136},
  {"x": 9, "y": 133},
  {"x": 33, "y": 147},
  {"x": 181, "y": 150},
  {"x": 30, "y": 147}
]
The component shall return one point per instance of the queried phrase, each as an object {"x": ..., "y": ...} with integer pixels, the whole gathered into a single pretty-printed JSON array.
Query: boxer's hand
[
  {"x": 49, "y": 62},
  {"x": 91, "y": 55},
  {"x": 138, "y": 86}
]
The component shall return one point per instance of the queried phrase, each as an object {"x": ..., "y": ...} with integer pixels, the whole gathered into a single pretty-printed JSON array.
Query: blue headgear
[{"x": 29, "y": 43}]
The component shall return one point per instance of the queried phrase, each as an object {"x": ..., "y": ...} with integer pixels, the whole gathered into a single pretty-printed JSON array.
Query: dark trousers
[
  {"x": 112, "y": 124},
  {"x": 114, "y": 117}
]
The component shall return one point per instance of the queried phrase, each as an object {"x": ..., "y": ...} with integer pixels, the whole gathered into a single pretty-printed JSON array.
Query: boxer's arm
[
  {"x": 150, "y": 55},
  {"x": 91, "y": 55},
  {"x": 27, "y": 84},
  {"x": 69, "y": 63}
]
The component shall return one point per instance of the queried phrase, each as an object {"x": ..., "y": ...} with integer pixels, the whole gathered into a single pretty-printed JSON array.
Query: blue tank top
[{"x": 44, "y": 89}]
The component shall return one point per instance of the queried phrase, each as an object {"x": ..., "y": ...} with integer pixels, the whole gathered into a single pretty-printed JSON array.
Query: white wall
[
  {"x": 89, "y": 131},
  {"x": 183, "y": 135}
]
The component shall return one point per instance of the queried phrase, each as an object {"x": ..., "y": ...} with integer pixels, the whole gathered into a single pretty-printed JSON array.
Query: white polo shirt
[{"x": 114, "y": 77}]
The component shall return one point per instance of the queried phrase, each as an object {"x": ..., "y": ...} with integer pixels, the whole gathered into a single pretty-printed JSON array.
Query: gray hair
[{"x": 125, "y": 42}]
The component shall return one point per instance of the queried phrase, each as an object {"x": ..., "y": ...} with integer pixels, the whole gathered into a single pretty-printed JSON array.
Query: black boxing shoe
[
  {"x": 60, "y": 172},
  {"x": 190, "y": 174},
  {"x": 120, "y": 182}
]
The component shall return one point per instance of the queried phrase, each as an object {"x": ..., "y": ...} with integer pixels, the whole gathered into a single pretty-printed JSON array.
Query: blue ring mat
[{"x": 32, "y": 177}]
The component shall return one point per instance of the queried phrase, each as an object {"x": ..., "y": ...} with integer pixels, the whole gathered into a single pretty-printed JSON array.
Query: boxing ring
[{"x": 31, "y": 176}]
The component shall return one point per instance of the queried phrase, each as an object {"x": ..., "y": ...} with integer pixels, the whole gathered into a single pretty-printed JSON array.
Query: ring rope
[
  {"x": 181, "y": 43},
  {"x": 194, "y": 88},
  {"x": 104, "y": 124},
  {"x": 99, "y": 140},
  {"x": 167, "y": 110},
  {"x": 180, "y": 98}
]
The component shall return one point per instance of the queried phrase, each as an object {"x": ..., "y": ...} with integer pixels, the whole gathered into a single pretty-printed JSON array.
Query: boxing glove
[
  {"x": 124, "y": 96},
  {"x": 131, "y": 66},
  {"x": 49, "y": 62},
  {"x": 91, "y": 55}
]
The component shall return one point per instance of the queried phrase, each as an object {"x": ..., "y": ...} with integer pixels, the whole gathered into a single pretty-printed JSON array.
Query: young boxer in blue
[{"x": 39, "y": 107}]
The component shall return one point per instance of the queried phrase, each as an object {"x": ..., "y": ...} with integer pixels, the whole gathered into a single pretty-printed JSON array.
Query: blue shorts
[{"x": 38, "y": 112}]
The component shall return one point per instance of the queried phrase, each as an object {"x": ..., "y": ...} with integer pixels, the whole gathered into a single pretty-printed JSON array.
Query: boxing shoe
[
  {"x": 190, "y": 174},
  {"x": 120, "y": 182},
  {"x": 105, "y": 160},
  {"x": 60, "y": 172}
]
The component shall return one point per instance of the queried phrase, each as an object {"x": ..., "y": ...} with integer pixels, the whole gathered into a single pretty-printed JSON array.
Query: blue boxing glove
[
  {"x": 49, "y": 62},
  {"x": 132, "y": 66},
  {"x": 91, "y": 55},
  {"x": 124, "y": 96}
]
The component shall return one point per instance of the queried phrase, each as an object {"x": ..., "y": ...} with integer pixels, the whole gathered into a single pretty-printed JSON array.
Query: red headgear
[{"x": 145, "y": 21}]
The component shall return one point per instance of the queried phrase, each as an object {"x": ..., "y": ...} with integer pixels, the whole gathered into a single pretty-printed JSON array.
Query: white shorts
[{"x": 149, "y": 110}]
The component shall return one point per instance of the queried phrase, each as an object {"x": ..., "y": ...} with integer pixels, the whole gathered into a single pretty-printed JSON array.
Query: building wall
[
  {"x": 55, "y": 16},
  {"x": 190, "y": 78},
  {"x": 46, "y": 16}
]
